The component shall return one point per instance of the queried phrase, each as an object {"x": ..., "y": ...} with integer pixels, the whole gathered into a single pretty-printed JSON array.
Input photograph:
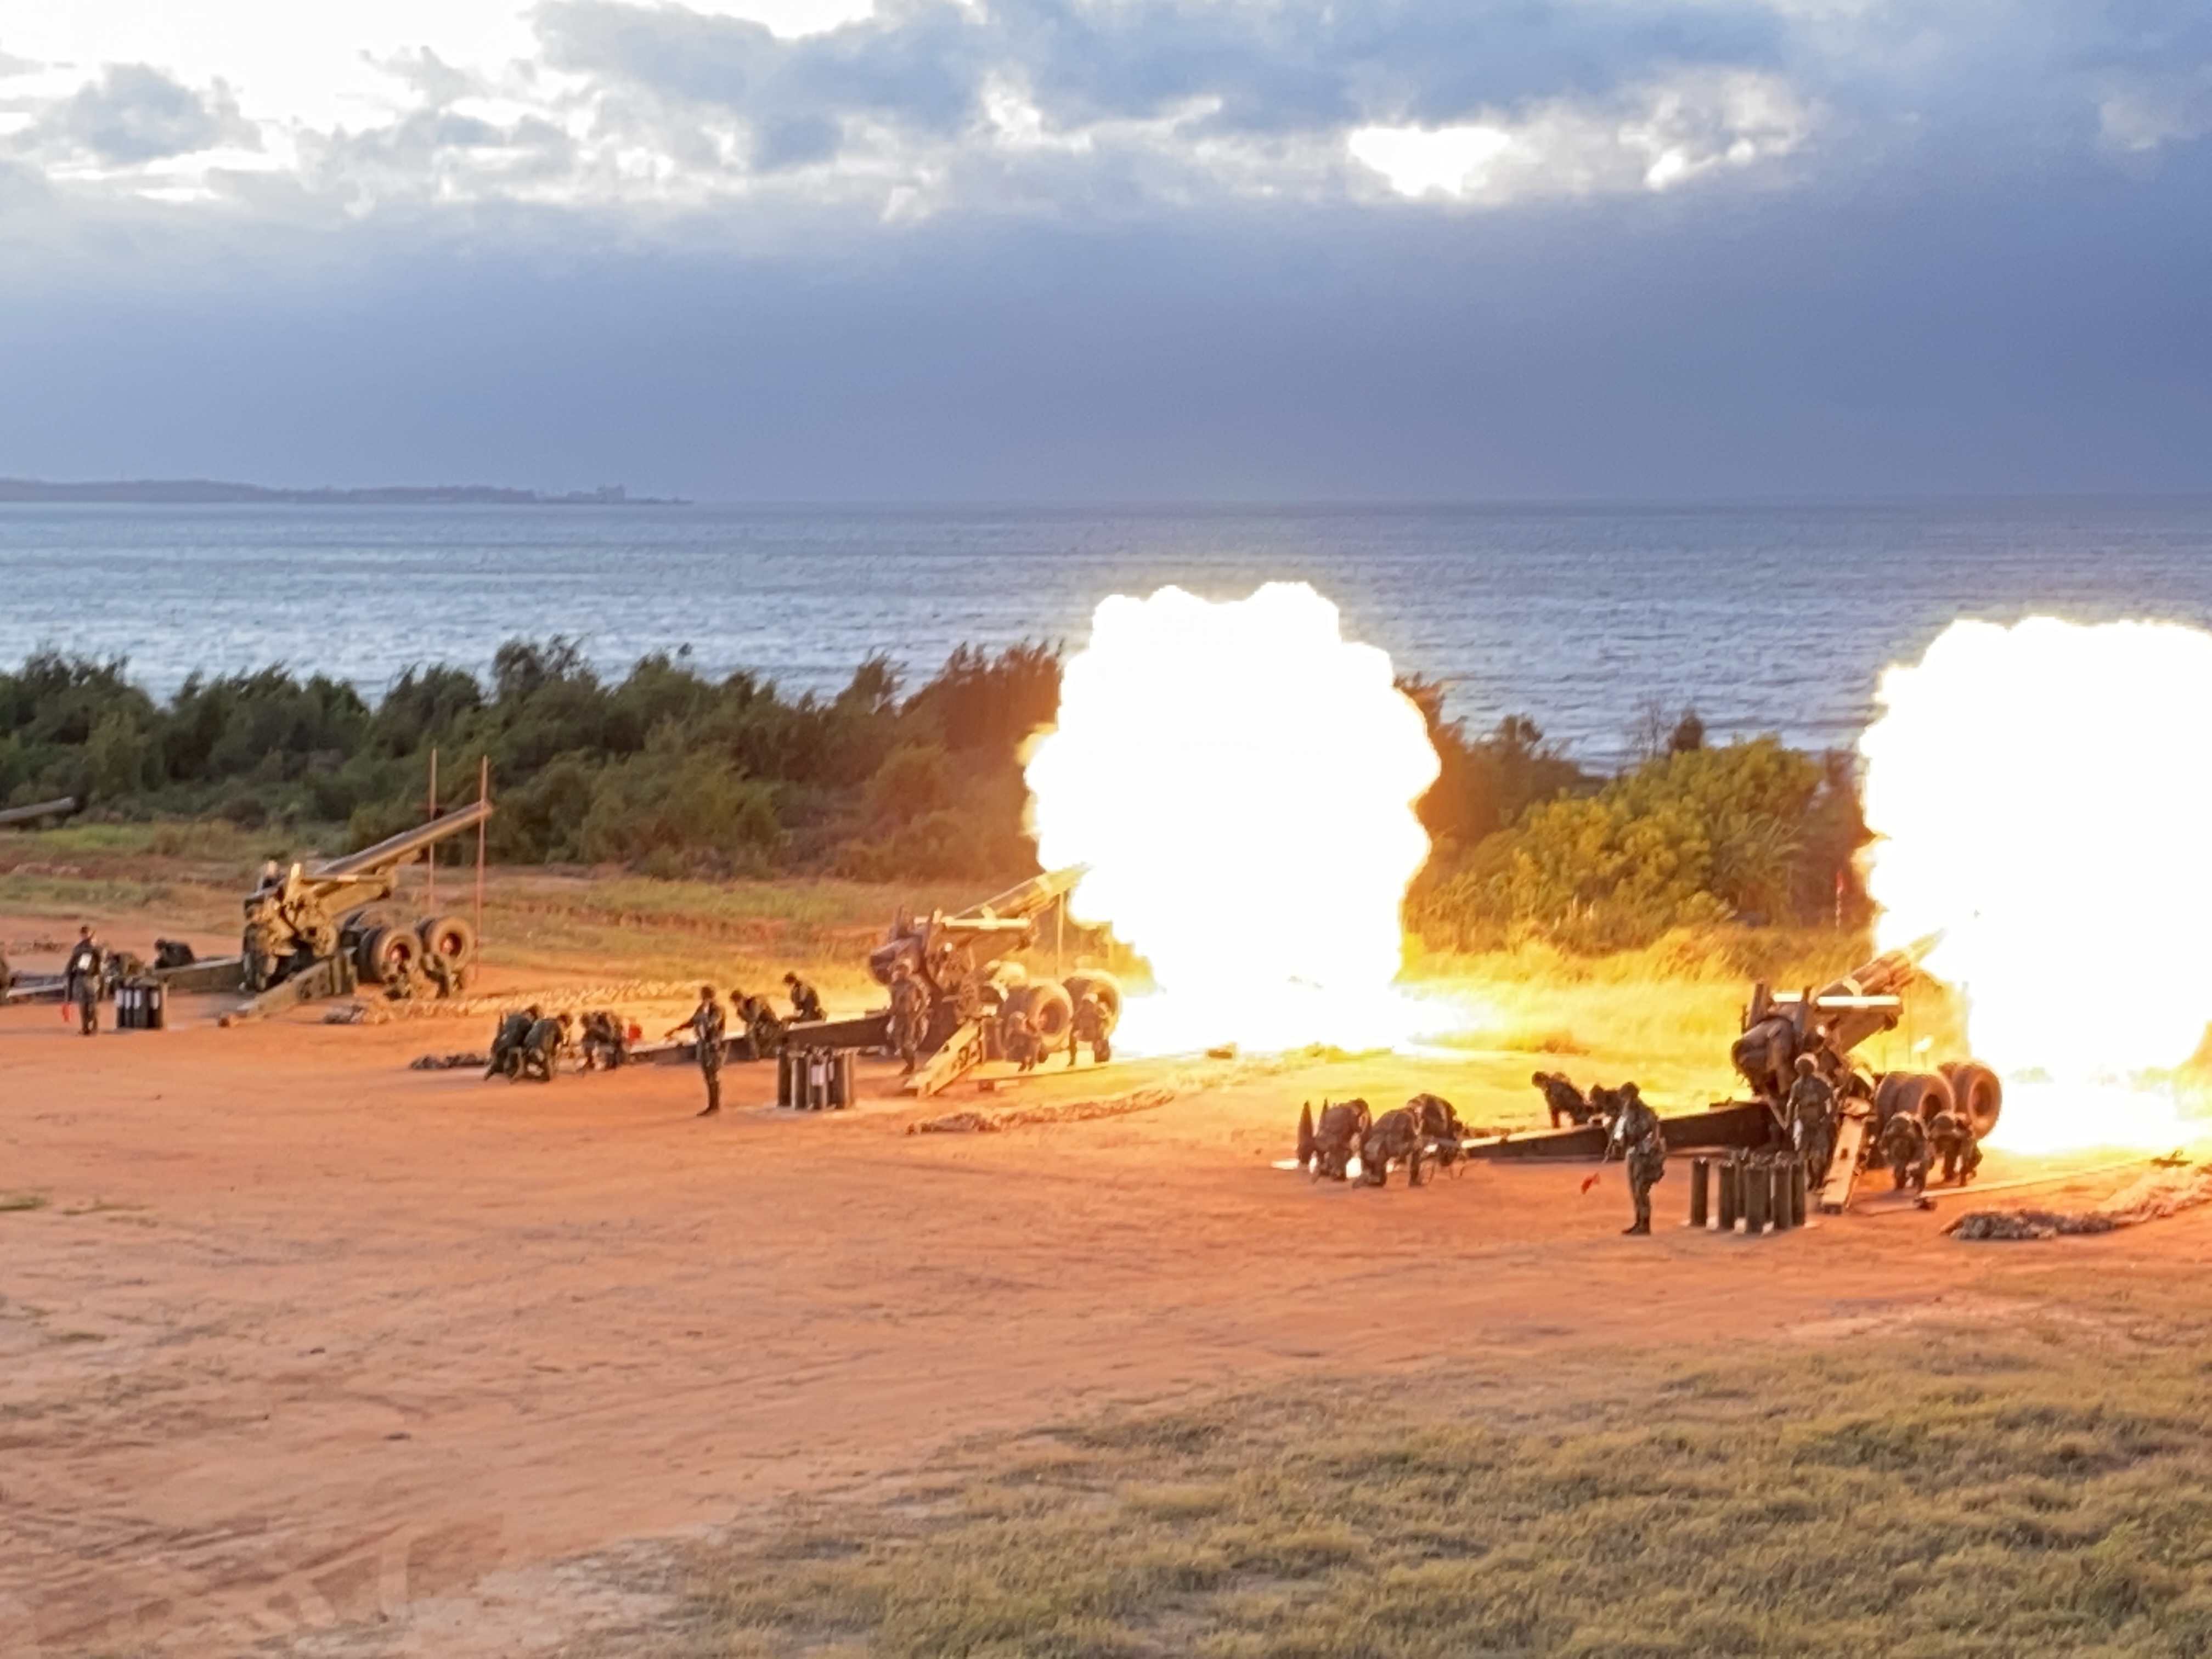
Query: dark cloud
[{"x": 1272, "y": 68}]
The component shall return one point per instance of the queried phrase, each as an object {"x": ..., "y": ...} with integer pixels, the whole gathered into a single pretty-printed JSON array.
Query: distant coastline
[{"x": 207, "y": 492}]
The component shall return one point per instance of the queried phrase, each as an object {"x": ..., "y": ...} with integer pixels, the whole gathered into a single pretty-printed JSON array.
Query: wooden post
[
  {"x": 430, "y": 854},
  {"x": 483, "y": 793}
]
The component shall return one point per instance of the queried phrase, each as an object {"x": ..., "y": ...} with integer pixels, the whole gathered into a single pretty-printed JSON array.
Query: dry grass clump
[{"x": 1965, "y": 1495}]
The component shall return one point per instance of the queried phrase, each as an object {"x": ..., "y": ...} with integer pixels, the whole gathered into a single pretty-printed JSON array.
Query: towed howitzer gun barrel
[
  {"x": 395, "y": 850},
  {"x": 66, "y": 806},
  {"x": 1863, "y": 1002},
  {"x": 1023, "y": 902}
]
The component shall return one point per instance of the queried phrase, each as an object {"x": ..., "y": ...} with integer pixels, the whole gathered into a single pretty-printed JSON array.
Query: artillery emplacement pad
[{"x": 302, "y": 1350}]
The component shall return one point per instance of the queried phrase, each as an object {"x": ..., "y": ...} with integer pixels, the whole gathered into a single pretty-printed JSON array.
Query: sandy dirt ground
[{"x": 302, "y": 1351}]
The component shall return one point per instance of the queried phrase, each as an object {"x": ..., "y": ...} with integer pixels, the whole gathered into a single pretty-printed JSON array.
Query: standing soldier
[
  {"x": 909, "y": 1017},
  {"x": 806, "y": 1001},
  {"x": 1642, "y": 1143},
  {"x": 80, "y": 980},
  {"x": 706, "y": 1028},
  {"x": 1810, "y": 1116}
]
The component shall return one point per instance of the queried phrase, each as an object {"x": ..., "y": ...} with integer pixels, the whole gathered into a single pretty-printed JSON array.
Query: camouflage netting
[{"x": 2156, "y": 1196}]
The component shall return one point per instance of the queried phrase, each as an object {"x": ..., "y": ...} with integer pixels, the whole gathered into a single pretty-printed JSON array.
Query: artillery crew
[
  {"x": 606, "y": 1042},
  {"x": 541, "y": 1049},
  {"x": 1951, "y": 1137},
  {"x": 80, "y": 976},
  {"x": 1395, "y": 1137},
  {"x": 1642, "y": 1142},
  {"x": 806, "y": 1001},
  {"x": 1905, "y": 1149},
  {"x": 1810, "y": 1116},
  {"x": 1089, "y": 1026},
  {"x": 506, "y": 1043},
  {"x": 1562, "y": 1099},
  {"x": 1328, "y": 1149},
  {"x": 909, "y": 1024}
]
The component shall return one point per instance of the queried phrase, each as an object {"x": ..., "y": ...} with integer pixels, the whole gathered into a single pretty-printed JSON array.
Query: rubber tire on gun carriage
[
  {"x": 1105, "y": 988},
  {"x": 390, "y": 955},
  {"x": 1047, "y": 1007},
  {"x": 1976, "y": 1094},
  {"x": 451, "y": 940},
  {"x": 1922, "y": 1094}
]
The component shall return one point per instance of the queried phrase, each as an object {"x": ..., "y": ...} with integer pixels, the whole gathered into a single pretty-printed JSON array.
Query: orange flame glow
[
  {"x": 2042, "y": 792},
  {"x": 1240, "y": 780}
]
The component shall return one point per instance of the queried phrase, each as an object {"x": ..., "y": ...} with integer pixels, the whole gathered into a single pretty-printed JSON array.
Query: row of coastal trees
[{"x": 671, "y": 771}]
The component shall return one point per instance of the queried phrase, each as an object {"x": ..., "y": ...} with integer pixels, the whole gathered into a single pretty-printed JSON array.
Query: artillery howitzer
[
  {"x": 969, "y": 1000},
  {"x": 67, "y": 806},
  {"x": 1828, "y": 1024},
  {"x": 320, "y": 930}
]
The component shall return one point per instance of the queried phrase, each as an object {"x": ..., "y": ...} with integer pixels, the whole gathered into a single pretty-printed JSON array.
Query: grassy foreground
[{"x": 2036, "y": 1482}]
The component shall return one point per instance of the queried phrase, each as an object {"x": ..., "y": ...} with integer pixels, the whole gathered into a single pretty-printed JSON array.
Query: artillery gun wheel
[
  {"x": 1923, "y": 1094},
  {"x": 1051, "y": 1011},
  {"x": 449, "y": 948},
  {"x": 1976, "y": 1094},
  {"x": 1105, "y": 988},
  {"x": 390, "y": 955}
]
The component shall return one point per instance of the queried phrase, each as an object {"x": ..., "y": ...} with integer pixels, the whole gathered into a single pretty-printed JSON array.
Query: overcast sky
[{"x": 1089, "y": 249}]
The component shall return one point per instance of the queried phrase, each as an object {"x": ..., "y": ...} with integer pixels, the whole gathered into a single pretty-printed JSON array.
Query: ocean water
[{"x": 1761, "y": 618}]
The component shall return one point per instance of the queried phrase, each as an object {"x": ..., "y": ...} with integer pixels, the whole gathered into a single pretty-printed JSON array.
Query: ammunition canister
[
  {"x": 1731, "y": 1174},
  {"x": 1758, "y": 1188},
  {"x": 1701, "y": 1178}
]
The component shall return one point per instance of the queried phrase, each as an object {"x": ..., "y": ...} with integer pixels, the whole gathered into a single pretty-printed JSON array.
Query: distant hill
[{"x": 204, "y": 492}]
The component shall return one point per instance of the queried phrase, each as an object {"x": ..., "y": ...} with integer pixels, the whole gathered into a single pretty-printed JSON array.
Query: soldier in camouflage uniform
[
  {"x": 506, "y": 1043},
  {"x": 806, "y": 1001},
  {"x": 1017, "y": 1037},
  {"x": 1395, "y": 1136},
  {"x": 909, "y": 1027},
  {"x": 1089, "y": 1026},
  {"x": 1810, "y": 1116},
  {"x": 1562, "y": 1099},
  {"x": 606, "y": 1045},
  {"x": 1441, "y": 1129},
  {"x": 706, "y": 1027},
  {"x": 541, "y": 1049},
  {"x": 1951, "y": 1137},
  {"x": 1642, "y": 1143},
  {"x": 1905, "y": 1149},
  {"x": 764, "y": 1027},
  {"x": 1343, "y": 1127},
  {"x": 80, "y": 976}
]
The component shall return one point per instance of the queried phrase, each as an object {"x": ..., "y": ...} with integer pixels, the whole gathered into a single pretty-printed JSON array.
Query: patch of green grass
[{"x": 1956, "y": 1495}]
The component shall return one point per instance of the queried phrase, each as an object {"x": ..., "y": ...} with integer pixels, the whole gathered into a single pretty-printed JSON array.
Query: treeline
[
  {"x": 666, "y": 770},
  {"x": 1530, "y": 846},
  {"x": 670, "y": 772}
]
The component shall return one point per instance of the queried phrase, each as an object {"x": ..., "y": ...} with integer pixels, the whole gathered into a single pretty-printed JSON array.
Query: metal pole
[
  {"x": 430, "y": 852},
  {"x": 1058, "y": 935},
  {"x": 484, "y": 794}
]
